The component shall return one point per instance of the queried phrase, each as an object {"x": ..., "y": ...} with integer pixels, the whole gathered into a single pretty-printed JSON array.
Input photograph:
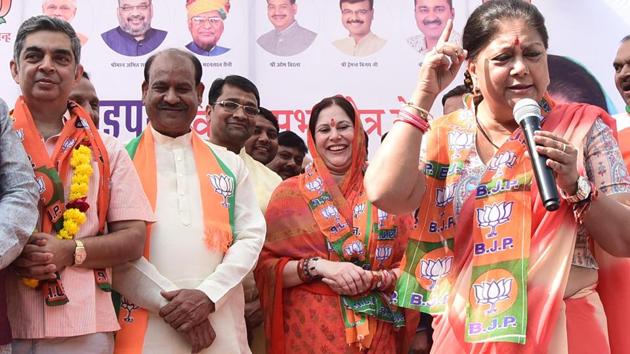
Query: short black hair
[
  {"x": 45, "y": 23},
  {"x": 291, "y": 1},
  {"x": 574, "y": 82},
  {"x": 195, "y": 62},
  {"x": 626, "y": 38},
  {"x": 450, "y": 3},
  {"x": 216, "y": 89},
  {"x": 268, "y": 115},
  {"x": 290, "y": 139},
  {"x": 458, "y": 90},
  {"x": 85, "y": 75},
  {"x": 356, "y": 1}
]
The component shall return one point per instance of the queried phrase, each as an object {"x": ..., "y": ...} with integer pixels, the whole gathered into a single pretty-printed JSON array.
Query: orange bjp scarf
[
  {"x": 218, "y": 190},
  {"x": 353, "y": 230},
  {"x": 511, "y": 258},
  {"x": 51, "y": 174}
]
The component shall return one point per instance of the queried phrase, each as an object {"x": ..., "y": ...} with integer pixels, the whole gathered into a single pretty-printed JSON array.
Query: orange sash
[
  {"x": 218, "y": 189},
  {"x": 51, "y": 173}
]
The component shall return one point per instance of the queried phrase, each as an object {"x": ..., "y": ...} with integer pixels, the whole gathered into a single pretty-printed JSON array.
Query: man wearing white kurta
[{"x": 210, "y": 279}]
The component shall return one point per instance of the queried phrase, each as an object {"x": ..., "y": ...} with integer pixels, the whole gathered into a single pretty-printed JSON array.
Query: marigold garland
[{"x": 74, "y": 215}]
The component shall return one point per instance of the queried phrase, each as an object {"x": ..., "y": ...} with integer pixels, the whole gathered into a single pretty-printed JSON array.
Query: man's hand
[
  {"x": 253, "y": 314},
  {"x": 200, "y": 336},
  {"x": 43, "y": 256},
  {"x": 187, "y": 308}
]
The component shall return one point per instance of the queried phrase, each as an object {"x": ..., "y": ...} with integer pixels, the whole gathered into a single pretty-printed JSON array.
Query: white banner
[{"x": 588, "y": 32}]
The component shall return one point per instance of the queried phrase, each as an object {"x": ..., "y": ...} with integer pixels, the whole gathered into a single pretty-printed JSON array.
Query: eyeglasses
[
  {"x": 141, "y": 7},
  {"x": 200, "y": 20},
  {"x": 231, "y": 107},
  {"x": 361, "y": 12}
]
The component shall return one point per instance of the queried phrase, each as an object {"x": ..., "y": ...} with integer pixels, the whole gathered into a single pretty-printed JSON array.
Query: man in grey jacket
[
  {"x": 288, "y": 37},
  {"x": 18, "y": 208}
]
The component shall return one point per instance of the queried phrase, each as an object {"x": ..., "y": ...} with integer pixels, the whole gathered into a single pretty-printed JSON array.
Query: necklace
[{"x": 483, "y": 132}]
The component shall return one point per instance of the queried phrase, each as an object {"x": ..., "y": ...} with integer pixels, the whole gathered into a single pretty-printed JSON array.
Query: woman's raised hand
[{"x": 440, "y": 65}]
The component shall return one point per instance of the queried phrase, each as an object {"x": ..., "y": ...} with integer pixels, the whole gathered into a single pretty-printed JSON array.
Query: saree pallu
[
  {"x": 307, "y": 317},
  {"x": 551, "y": 247}
]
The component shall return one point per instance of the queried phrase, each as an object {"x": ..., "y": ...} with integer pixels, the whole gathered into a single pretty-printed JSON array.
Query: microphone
[{"x": 527, "y": 115}]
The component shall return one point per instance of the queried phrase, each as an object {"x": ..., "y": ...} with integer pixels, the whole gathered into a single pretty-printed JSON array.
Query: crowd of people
[{"x": 238, "y": 242}]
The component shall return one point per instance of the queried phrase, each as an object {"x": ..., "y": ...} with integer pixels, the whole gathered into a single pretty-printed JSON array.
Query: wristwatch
[
  {"x": 583, "y": 191},
  {"x": 79, "y": 253}
]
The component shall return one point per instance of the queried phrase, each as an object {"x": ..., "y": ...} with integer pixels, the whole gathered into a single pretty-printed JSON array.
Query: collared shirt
[
  {"x": 368, "y": 45},
  {"x": 18, "y": 193},
  {"x": 123, "y": 43},
  {"x": 290, "y": 41},
  {"x": 178, "y": 252},
  {"x": 18, "y": 207},
  {"x": 90, "y": 309},
  {"x": 419, "y": 43},
  {"x": 214, "y": 51}
]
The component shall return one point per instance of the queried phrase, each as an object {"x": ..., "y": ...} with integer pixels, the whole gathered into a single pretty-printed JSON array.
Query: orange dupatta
[
  {"x": 51, "y": 174},
  {"x": 294, "y": 232},
  {"x": 218, "y": 190},
  {"x": 550, "y": 253}
]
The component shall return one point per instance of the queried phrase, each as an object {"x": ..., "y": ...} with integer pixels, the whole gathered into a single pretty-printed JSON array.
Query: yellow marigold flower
[{"x": 31, "y": 283}]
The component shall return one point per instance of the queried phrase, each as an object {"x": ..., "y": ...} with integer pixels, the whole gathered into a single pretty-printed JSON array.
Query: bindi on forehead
[
  {"x": 517, "y": 41},
  {"x": 333, "y": 121}
]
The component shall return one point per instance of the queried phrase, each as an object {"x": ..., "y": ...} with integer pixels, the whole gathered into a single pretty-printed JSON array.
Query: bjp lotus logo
[
  {"x": 353, "y": 248},
  {"x": 459, "y": 140},
  {"x": 315, "y": 185},
  {"x": 330, "y": 212},
  {"x": 382, "y": 216},
  {"x": 5, "y": 6},
  {"x": 224, "y": 186},
  {"x": 494, "y": 215},
  {"x": 358, "y": 210},
  {"x": 444, "y": 196},
  {"x": 506, "y": 158},
  {"x": 492, "y": 292},
  {"x": 435, "y": 270},
  {"x": 383, "y": 253}
]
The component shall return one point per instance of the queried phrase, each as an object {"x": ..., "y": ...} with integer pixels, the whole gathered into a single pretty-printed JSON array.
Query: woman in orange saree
[
  {"x": 500, "y": 273},
  {"x": 325, "y": 274}
]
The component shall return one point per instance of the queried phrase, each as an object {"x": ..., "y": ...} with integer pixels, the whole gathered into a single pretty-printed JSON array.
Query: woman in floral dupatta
[
  {"x": 325, "y": 273},
  {"x": 499, "y": 272}
]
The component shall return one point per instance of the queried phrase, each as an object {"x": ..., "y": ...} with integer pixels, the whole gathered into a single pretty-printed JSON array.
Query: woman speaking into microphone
[{"x": 499, "y": 272}]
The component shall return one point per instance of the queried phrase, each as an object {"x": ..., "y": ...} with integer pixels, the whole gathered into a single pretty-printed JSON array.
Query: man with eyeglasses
[
  {"x": 134, "y": 36},
  {"x": 356, "y": 17},
  {"x": 232, "y": 110},
  {"x": 205, "y": 23},
  {"x": 431, "y": 17}
]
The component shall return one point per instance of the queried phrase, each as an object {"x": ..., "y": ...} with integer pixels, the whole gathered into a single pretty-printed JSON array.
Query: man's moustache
[
  {"x": 354, "y": 21},
  {"x": 436, "y": 22}
]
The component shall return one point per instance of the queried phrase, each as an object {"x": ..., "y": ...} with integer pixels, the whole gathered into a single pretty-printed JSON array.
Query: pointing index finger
[{"x": 446, "y": 32}]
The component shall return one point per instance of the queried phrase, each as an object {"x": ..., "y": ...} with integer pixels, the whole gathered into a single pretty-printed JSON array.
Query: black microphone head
[{"x": 524, "y": 108}]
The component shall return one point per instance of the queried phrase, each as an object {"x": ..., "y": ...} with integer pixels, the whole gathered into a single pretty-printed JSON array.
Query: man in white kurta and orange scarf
[{"x": 209, "y": 230}]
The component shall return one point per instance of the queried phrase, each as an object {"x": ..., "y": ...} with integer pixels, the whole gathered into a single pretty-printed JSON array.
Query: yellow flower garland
[{"x": 73, "y": 218}]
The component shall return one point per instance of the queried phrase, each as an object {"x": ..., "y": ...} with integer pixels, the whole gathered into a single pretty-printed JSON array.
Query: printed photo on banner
[
  {"x": 205, "y": 23},
  {"x": 357, "y": 17},
  {"x": 287, "y": 37}
]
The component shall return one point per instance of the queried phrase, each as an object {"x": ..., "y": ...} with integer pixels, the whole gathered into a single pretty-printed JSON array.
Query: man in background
[
  {"x": 205, "y": 23},
  {"x": 134, "y": 36},
  {"x": 63, "y": 9},
  {"x": 291, "y": 151},
  {"x": 453, "y": 99},
  {"x": 84, "y": 94},
  {"x": 262, "y": 145},
  {"x": 288, "y": 37},
  {"x": 357, "y": 17},
  {"x": 431, "y": 17}
]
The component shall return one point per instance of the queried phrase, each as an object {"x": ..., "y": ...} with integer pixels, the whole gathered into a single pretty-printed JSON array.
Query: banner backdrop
[{"x": 588, "y": 32}]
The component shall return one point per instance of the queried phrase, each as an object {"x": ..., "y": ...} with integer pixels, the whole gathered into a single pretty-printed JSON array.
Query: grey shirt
[
  {"x": 291, "y": 41},
  {"x": 18, "y": 193}
]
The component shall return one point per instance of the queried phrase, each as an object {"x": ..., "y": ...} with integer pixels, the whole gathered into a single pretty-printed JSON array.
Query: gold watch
[{"x": 79, "y": 252}]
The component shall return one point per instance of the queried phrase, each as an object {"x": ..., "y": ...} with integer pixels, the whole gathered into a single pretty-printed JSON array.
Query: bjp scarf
[
  {"x": 312, "y": 206},
  {"x": 51, "y": 174},
  {"x": 218, "y": 192},
  {"x": 504, "y": 255}
]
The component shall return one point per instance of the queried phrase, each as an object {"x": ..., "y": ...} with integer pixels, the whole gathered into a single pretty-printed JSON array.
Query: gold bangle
[{"x": 424, "y": 114}]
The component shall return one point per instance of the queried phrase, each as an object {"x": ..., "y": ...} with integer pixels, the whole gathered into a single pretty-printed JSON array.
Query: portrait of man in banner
[
  {"x": 63, "y": 9},
  {"x": 431, "y": 17},
  {"x": 205, "y": 23},
  {"x": 288, "y": 37},
  {"x": 134, "y": 35},
  {"x": 357, "y": 17}
]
